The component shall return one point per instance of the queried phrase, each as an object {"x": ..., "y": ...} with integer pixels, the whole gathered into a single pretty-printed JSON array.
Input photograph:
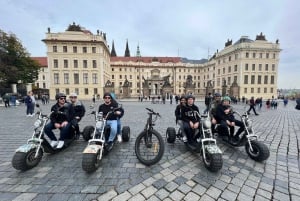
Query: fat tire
[
  {"x": 87, "y": 132},
  {"x": 260, "y": 151},
  {"x": 171, "y": 135},
  {"x": 21, "y": 160},
  {"x": 213, "y": 162},
  {"x": 89, "y": 162},
  {"x": 126, "y": 133},
  {"x": 158, "y": 156}
]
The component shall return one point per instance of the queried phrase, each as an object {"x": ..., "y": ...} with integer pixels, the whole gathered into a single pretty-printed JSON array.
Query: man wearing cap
[
  {"x": 60, "y": 118},
  {"x": 224, "y": 116},
  {"x": 111, "y": 120},
  {"x": 79, "y": 111}
]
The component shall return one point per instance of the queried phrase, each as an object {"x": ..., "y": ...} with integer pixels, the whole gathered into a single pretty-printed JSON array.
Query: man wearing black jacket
[
  {"x": 112, "y": 119},
  {"x": 61, "y": 117},
  {"x": 190, "y": 118}
]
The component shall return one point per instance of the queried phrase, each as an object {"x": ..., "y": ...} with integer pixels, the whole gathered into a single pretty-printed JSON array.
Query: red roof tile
[
  {"x": 41, "y": 60},
  {"x": 147, "y": 59}
]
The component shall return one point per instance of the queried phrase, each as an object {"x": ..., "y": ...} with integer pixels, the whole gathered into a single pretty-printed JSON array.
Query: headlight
[
  {"x": 249, "y": 124},
  {"x": 99, "y": 125},
  {"x": 207, "y": 123},
  {"x": 100, "y": 116},
  {"x": 37, "y": 123}
]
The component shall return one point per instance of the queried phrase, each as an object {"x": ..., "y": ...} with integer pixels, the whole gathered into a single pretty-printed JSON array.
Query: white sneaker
[
  {"x": 184, "y": 139},
  {"x": 53, "y": 143},
  {"x": 60, "y": 144},
  {"x": 119, "y": 138}
]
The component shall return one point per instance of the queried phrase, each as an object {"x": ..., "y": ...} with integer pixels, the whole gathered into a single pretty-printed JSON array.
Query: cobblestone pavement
[{"x": 180, "y": 175}]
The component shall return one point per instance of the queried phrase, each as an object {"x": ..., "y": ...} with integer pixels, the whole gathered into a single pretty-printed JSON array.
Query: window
[
  {"x": 86, "y": 91},
  {"x": 43, "y": 77},
  {"x": 74, "y": 49},
  {"x": 271, "y": 90},
  {"x": 265, "y": 90},
  {"x": 235, "y": 68},
  {"x": 272, "y": 79},
  {"x": 84, "y": 63},
  {"x": 76, "y": 78},
  {"x": 273, "y": 67},
  {"x": 252, "y": 79},
  {"x": 260, "y": 67},
  {"x": 253, "y": 55},
  {"x": 95, "y": 78},
  {"x": 219, "y": 71},
  {"x": 65, "y": 63},
  {"x": 65, "y": 49},
  {"x": 223, "y": 70},
  {"x": 85, "y": 78},
  {"x": 236, "y": 56},
  {"x": 84, "y": 50},
  {"x": 77, "y": 91},
  {"x": 274, "y": 56},
  {"x": 44, "y": 85},
  {"x": 267, "y": 55},
  {"x": 252, "y": 90},
  {"x": 130, "y": 76},
  {"x": 258, "y": 90},
  {"x": 75, "y": 63},
  {"x": 229, "y": 69},
  {"x": 245, "y": 90},
  {"x": 56, "y": 78},
  {"x": 266, "y": 79},
  {"x": 95, "y": 91},
  {"x": 94, "y": 64},
  {"x": 93, "y": 49},
  {"x": 266, "y": 67},
  {"x": 112, "y": 76},
  {"x": 235, "y": 79},
  {"x": 260, "y": 55},
  {"x": 259, "y": 79},
  {"x": 112, "y": 69},
  {"x": 253, "y": 67},
  {"x": 246, "y": 67},
  {"x": 66, "y": 78},
  {"x": 245, "y": 79},
  {"x": 55, "y": 63},
  {"x": 229, "y": 58},
  {"x": 54, "y": 48},
  {"x": 247, "y": 54},
  {"x": 120, "y": 76},
  {"x": 229, "y": 80}
]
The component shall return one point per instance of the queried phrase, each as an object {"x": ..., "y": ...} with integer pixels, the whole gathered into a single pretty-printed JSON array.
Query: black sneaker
[{"x": 110, "y": 146}]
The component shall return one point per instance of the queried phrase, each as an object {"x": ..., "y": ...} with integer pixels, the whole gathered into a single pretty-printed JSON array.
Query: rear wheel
[
  {"x": 25, "y": 161},
  {"x": 149, "y": 148},
  {"x": 171, "y": 135},
  {"x": 213, "y": 161},
  {"x": 90, "y": 163},
  {"x": 126, "y": 133},
  {"x": 259, "y": 151},
  {"x": 87, "y": 132}
]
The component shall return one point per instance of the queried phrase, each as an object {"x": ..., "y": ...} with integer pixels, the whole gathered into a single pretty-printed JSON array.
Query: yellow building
[{"x": 80, "y": 62}]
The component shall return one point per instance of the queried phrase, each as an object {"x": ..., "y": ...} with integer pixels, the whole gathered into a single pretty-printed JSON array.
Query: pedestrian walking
[{"x": 252, "y": 106}]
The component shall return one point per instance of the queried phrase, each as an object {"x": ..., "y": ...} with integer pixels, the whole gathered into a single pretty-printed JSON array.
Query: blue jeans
[
  {"x": 113, "y": 129},
  {"x": 64, "y": 132},
  {"x": 119, "y": 127}
]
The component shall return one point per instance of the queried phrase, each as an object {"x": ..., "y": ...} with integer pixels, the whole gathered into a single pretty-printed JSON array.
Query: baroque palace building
[{"x": 81, "y": 62}]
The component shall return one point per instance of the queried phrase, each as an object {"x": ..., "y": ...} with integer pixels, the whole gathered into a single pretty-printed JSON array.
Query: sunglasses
[
  {"x": 73, "y": 97},
  {"x": 107, "y": 97},
  {"x": 62, "y": 98}
]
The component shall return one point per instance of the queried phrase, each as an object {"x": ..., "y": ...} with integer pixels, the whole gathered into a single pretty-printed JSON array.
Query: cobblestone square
[{"x": 180, "y": 175}]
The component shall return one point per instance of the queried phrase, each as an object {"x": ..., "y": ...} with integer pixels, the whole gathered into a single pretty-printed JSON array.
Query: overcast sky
[{"x": 187, "y": 28}]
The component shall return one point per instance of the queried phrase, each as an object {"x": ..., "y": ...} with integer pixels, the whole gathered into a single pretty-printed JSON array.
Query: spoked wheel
[
  {"x": 259, "y": 151},
  {"x": 213, "y": 161},
  {"x": 25, "y": 161},
  {"x": 90, "y": 163},
  {"x": 149, "y": 148},
  {"x": 87, "y": 133}
]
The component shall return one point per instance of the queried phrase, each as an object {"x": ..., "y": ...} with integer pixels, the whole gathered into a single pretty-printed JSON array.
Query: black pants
[
  {"x": 252, "y": 108},
  {"x": 241, "y": 128}
]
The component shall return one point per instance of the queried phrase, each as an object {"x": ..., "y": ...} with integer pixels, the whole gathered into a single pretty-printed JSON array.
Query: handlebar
[{"x": 152, "y": 112}]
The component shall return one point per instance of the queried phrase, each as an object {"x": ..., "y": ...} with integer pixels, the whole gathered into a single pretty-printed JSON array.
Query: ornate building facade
[{"x": 81, "y": 62}]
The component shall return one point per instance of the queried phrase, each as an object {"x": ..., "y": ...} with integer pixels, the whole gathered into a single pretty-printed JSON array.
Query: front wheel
[
  {"x": 90, "y": 163},
  {"x": 87, "y": 133},
  {"x": 149, "y": 147},
  {"x": 213, "y": 161},
  {"x": 25, "y": 161},
  {"x": 259, "y": 151}
]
